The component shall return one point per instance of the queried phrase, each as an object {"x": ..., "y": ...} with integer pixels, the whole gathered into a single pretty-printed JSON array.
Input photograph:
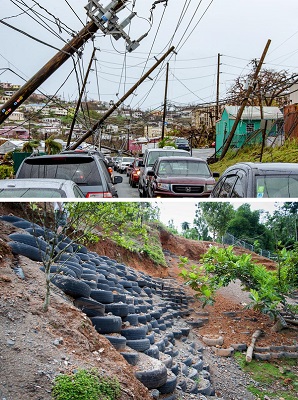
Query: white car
[
  {"x": 39, "y": 188},
  {"x": 124, "y": 163}
]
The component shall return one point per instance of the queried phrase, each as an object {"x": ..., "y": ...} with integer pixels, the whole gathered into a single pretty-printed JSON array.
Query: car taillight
[
  {"x": 110, "y": 169},
  {"x": 98, "y": 194}
]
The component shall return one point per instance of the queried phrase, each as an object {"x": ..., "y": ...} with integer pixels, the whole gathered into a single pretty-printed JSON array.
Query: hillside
[{"x": 36, "y": 346}]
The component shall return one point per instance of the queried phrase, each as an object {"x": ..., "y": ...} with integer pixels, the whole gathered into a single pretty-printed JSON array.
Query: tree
[
  {"x": 30, "y": 146},
  {"x": 185, "y": 226},
  {"x": 269, "y": 289},
  {"x": 271, "y": 88},
  {"x": 246, "y": 225},
  {"x": 52, "y": 147},
  {"x": 217, "y": 215},
  {"x": 284, "y": 224}
]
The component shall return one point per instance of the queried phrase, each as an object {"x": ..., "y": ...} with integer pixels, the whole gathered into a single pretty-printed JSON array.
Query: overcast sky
[{"x": 199, "y": 30}]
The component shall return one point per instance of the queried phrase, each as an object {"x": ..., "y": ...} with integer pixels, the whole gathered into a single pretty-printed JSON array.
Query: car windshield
[
  {"x": 183, "y": 168},
  {"x": 181, "y": 141},
  {"x": 153, "y": 156},
  {"x": 277, "y": 186},
  {"x": 32, "y": 192},
  {"x": 82, "y": 173},
  {"x": 128, "y": 159}
]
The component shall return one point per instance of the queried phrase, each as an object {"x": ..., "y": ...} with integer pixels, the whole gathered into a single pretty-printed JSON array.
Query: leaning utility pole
[
  {"x": 120, "y": 101},
  {"x": 80, "y": 98},
  {"x": 244, "y": 102},
  {"x": 47, "y": 70},
  {"x": 103, "y": 18},
  {"x": 165, "y": 105}
]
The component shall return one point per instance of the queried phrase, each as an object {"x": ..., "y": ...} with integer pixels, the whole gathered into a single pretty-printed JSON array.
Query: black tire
[
  {"x": 153, "y": 379},
  {"x": 134, "y": 333},
  {"x": 131, "y": 357},
  {"x": 107, "y": 324},
  {"x": 119, "y": 342},
  {"x": 132, "y": 319},
  {"x": 47, "y": 234},
  {"x": 83, "y": 256},
  {"x": 27, "y": 251},
  {"x": 61, "y": 270},
  {"x": 89, "y": 277},
  {"x": 139, "y": 344},
  {"x": 65, "y": 246},
  {"x": 90, "y": 307},
  {"x": 103, "y": 296},
  {"x": 80, "y": 248},
  {"x": 30, "y": 240},
  {"x": 71, "y": 286},
  {"x": 170, "y": 384},
  {"x": 23, "y": 224},
  {"x": 11, "y": 218},
  {"x": 119, "y": 309},
  {"x": 152, "y": 352}
]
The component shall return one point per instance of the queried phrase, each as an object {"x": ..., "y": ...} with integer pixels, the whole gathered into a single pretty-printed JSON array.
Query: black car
[
  {"x": 258, "y": 180},
  {"x": 182, "y": 144},
  {"x": 87, "y": 170}
]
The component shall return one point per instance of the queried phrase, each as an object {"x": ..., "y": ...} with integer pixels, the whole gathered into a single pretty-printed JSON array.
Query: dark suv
[{"x": 87, "y": 170}]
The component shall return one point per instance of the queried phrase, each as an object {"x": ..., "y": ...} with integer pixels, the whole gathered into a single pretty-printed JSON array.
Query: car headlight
[
  {"x": 209, "y": 187},
  {"x": 163, "y": 186}
]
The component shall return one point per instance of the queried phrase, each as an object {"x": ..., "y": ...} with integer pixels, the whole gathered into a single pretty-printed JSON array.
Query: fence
[{"x": 232, "y": 240}]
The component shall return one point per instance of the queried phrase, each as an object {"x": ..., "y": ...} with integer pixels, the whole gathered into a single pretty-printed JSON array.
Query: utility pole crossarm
[{"x": 244, "y": 102}]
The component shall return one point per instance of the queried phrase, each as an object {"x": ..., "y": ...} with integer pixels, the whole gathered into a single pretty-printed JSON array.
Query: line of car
[{"x": 167, "y": 172}]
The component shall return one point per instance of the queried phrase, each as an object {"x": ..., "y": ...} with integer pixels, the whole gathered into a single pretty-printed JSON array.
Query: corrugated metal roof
[{"x": 254, "y": 113}]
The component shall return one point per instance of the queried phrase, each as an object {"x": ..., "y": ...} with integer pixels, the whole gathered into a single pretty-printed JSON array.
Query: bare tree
[{"x": 271, "y": 89}]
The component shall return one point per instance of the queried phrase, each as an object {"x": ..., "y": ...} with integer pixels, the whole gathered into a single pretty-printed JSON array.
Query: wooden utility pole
[
  {"x": 165, "y": 104},
  {"x": 120, "y": 101},
  {"x": 51, "y": 66},
  {"x": 244, "y": 102},
  {"x": 217, "y": 88},
  {"x": 47, "y": 70},
  {"x": 80, "y": 98}
]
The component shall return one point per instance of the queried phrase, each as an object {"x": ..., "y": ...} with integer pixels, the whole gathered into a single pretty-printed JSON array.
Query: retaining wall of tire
[{"x": 141, "y": 316}]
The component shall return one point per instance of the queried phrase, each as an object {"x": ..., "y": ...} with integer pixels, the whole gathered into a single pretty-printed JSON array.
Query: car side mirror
[
  {"x": 150, "y": 173},
  {"x": 117, "y": 179},
  {"x": 216, "y": 174},
  {"x": 141, "y": 164}
]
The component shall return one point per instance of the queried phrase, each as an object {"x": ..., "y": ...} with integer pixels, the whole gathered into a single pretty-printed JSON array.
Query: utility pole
[
  {"x": 80, "y": 98},
  {"x": 47, "y": 70},
  {"x": 120, "y": 101},
  {"x": 165, "y": 104},
  {"x": 103, "y": 18},
  {"x": 217, "y": 87},
  {"x": 244, "y": 102}
]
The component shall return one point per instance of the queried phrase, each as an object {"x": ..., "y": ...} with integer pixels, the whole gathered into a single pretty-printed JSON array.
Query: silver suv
[{"x": 149, "y": 158}]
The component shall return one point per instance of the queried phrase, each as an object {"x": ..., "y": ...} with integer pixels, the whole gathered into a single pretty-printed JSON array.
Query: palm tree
[
  {"x": 185, "y": 226},
  {"x": 29, "y": 147},
  {"x": 52, "y": 147}
]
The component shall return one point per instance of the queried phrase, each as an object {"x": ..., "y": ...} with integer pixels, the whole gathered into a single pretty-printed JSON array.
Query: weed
[
  {"x": 85, "y": 385},
  {"x": 275, "y": 379}
]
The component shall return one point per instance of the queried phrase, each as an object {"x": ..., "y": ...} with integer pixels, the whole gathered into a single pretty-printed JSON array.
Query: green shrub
[
  {"x": 85, "y": 385},
  {"x": 6, "y": 171}
]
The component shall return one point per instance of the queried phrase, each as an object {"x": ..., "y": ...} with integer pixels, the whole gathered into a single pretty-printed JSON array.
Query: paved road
[{"x": 126, "y": 192}]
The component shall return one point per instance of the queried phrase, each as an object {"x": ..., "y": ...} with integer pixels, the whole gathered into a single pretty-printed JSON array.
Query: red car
[
  {"x": 134, "y": 172},
  {"x": 180, "y": 177}
]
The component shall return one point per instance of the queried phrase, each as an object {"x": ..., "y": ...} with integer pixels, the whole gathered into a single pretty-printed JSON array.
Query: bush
[
  {"x": 85, "y": 385},
  {"x": 6, "y": 171}
]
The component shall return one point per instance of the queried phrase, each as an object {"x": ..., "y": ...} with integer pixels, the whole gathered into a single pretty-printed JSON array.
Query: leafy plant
[
  {"x": 268, "y": 289},
  {"x": 85, "y": 385},
  {"x": 6, "y": 171}
]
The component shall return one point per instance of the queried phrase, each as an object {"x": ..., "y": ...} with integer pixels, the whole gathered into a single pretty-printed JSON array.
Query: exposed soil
[{"x": 35, "y": 346}]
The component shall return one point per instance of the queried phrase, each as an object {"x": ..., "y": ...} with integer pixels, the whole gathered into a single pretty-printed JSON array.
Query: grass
[
  {"x": 275, "y": 380},
  {"x": 286, "y": 153}
]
